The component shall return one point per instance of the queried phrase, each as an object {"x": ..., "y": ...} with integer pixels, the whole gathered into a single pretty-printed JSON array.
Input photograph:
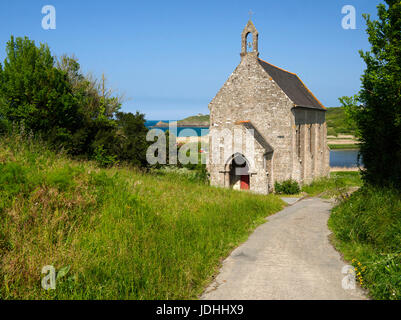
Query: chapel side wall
[
  {"x": 312, "y": 153},
  {"x": 250, "y": 94}
]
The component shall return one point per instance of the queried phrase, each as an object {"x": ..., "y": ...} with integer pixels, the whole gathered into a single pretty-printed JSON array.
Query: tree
[
  {"x": 376, "y": 110},
  {"x": 53, "y": 98},
  {"x": 33, "y": 92},
  {"x": 132, "y": 131},
  {"x": 97, "y": 100}
]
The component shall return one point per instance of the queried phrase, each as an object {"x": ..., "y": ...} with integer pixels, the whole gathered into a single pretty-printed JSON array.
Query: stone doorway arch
[{"x": 238, "y": 169}]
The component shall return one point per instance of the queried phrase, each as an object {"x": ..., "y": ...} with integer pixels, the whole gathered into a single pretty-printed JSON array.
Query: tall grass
[
  {"x": 120, "y": 233},
  {"x": 338, "y": 183},
  {"x": 367, "y": 230}
]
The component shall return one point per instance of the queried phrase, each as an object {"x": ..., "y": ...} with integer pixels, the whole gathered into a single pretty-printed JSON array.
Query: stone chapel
[{"x": 287, "y": 122}]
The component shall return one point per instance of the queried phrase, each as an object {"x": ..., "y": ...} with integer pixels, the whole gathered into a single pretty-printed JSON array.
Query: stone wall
[
  {"x": 290, "y": 142},
  {"x": 251, "y": 95},
  {"x": 310, "y": 141}
]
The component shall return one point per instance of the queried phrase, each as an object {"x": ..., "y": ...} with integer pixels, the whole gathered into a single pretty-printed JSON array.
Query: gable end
[{"x": 292, "y": 86}]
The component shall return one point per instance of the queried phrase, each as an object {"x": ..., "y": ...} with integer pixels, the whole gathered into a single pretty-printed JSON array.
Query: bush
[
  {"x": 367, "y": 230},
  {"x": 104, "y": 159},
  {"x": 202, "y": 174},
  {"x": 35, "y": 92},
  {"x": 133, "y": 142},
  {"x": 4, "y": 126},
  {"x": 53, "y": 99},
  {"x": 287, "y": 187}
]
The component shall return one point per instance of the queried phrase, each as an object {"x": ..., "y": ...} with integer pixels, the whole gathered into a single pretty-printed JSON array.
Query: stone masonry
[{"x": 285, "y": 121}]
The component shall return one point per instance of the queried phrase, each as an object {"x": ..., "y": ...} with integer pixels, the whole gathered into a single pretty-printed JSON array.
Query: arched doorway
[{"x": 239, "y": 173}]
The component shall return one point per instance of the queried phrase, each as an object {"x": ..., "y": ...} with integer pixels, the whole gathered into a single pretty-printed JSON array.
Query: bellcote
[{"x": 249, "y": 40}]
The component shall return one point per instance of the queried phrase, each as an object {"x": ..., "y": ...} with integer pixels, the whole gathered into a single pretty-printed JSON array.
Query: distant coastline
[
  {"x": 183, "y": 129},
  {"x": 199, "y": 121},
  {"x": 341, "y": 137},
  {"x": 179, "y": 124}
]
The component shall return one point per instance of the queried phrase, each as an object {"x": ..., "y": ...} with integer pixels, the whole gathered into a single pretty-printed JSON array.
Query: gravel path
[{"x": 289, "y": 257}]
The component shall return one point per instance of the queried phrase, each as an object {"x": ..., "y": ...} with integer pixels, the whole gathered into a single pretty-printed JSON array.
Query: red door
[{"x": 244, "y": 182}]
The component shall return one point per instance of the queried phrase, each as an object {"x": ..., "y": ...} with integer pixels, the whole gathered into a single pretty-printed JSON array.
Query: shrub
[
  {"x": 287, "y": 187},
  {"x": 35, "y": 92},
  {"x": 201, "y": 173},
  {"x": 77, "y": 113},
  {"x": 133, "y": 144},
  {"x": 104, "y": 159},
  {"x": 367, "y": 230},
  {"x": 4, "y": 126}
]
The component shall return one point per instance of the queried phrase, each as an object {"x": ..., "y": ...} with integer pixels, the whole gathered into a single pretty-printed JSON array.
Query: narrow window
[
  {"x": 249, "y": 42},
  {"x": 298, "y": 142}
]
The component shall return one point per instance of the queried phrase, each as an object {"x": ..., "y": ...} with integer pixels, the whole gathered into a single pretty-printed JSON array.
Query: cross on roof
[{"x": 250, "y": 14}]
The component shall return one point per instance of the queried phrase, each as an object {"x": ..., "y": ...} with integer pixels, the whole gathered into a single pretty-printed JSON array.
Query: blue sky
[{"x": 169, "y": 58}]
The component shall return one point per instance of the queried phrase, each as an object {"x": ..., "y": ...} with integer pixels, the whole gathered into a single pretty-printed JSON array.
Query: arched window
[{"x": 249, "y": 42}]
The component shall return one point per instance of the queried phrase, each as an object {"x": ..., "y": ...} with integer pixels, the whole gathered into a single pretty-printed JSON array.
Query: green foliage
[
  {"x": 61, "y": 178},
  {"x": 367, "y": 229},
  {"x": 74, "y": 112},
  {"x": 335, "y": 186},
  {"x": 5, "y": 126},
  {"x": 12, "y": 178},
  {"x": 202, "y": 120},
  {"x": 201, "y": 173},
  {"x": 113, "y": 233},
  {"x": 195, "y": 169},
  {"x": 96, "y": 100},
  {"x": 133, "y": 138},
  {"x": 287, "y": 187},
  {"x": 34, "y": 92},
  {"x": 376, "y": 110},
  {"x": 344, "y": 146},
  {"x": 104, "y": 159},
  {"x": 338, "y": 122}
]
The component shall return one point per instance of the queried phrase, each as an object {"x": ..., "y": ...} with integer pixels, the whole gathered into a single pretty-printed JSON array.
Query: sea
[
  {"x": 181, "y": 131},
  {"x": 338, "y": 158},
  {"x": 344, "y": 158}
]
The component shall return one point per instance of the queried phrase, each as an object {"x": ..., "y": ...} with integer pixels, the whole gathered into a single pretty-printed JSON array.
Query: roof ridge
[
  {"x": 294, "y": 74},
  {"x": 278, "y": 67},
  {"x": 311, "y": 93}
]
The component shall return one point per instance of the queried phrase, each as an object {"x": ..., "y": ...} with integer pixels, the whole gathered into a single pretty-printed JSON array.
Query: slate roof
[{"x": 292, "y": 86}]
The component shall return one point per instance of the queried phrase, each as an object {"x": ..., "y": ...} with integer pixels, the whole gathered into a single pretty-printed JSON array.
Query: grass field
[
  {"x": 113, "y": 233},
  {"x": 339, "y": 182},
  {"x": 337, "y": 123},
  {"x": 343, "y": 146},
  {"x": 367, "y": 230}
]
